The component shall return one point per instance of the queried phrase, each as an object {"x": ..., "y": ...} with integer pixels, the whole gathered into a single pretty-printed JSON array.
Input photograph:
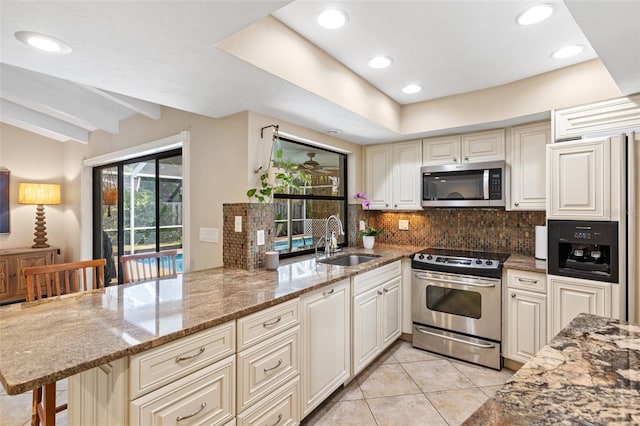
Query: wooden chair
[
  {"x": 145, "y": 266},
  {"x": 51, "y": 281}
]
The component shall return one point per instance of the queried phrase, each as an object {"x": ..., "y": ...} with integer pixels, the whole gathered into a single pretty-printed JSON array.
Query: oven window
[{"x": 457, "y": 302}]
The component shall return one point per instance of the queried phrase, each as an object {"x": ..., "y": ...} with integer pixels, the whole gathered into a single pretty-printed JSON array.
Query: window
[
  {"x": 300, "y": 214},
  {"x": 137, "y": 208}
]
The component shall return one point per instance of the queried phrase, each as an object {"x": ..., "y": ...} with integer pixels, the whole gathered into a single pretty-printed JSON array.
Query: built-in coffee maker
[{"x": 586, "y": 249}]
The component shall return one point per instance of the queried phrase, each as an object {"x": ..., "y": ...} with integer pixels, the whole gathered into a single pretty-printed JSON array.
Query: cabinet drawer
[
  {"x": 205, "y": 397},
  {"x": 264, "y": 367},
  {"x": 370, "y": 279},
  {"x": 281, "y": 409},
  {"x": 159, "y": 366},
  {"x": 526, "y": 280},
  {"x": 261, "y": 325}
]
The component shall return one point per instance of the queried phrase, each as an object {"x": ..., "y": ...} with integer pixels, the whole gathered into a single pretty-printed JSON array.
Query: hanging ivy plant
[{"x": 279, "y": 175}]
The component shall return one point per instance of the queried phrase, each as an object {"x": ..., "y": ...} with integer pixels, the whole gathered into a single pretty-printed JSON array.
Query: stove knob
[
  {"x": 421, "y": 256},
  {"x": 429, "y": 257},
  {"x": 478, "y": 262},
  {"x": 489, "y": 262}
]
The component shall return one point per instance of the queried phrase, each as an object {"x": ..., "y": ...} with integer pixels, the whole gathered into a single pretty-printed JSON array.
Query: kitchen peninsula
[{"x": 589, "y": 374}]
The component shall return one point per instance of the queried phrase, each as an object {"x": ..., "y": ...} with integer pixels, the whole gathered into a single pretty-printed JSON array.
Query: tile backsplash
[{"x": 465, "y": 229}]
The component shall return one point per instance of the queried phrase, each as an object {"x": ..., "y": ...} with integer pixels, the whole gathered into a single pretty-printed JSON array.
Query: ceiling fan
[{"x": 313, "y": 167}]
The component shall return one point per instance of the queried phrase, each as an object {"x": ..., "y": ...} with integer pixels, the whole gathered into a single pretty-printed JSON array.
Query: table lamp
[{"x": 39, "y": 194}]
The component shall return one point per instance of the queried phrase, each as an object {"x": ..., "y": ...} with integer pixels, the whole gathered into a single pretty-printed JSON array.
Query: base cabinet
[
  {"x": 572, "y": 296},
  {"x": 326, "y": 350},
  {"x": 527, "y": 322}
]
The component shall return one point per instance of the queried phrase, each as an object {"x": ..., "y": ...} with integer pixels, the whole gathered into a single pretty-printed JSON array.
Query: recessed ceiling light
[
  {"x": 534, "y": 14},
  {"x": 567, "y": 51},
  {"x": 380, "y": 62},
  {"x": 332, "y": 19},
  {"x": 43, "y": 42},
  {"x": 412, "y": 88}
]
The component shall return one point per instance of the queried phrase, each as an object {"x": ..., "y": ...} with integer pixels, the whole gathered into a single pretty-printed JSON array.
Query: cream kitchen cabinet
[
  {"x": 571, "y": 296},
  {"x": 579, "y": 180},
  {"x": 597, "y": 118},
  {"x": 526, "y": 158},
  {"x": 526, "y": 325},
  {"x": 377, "y": 313},
  {"x": 468, "y": 148},
  {"x": 393, "y": 176},
  {"x": 326, "y": 355}
]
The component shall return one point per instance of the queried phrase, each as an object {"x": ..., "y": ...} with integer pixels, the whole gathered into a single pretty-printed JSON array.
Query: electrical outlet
[
  {"x": 238, "y": 224},
  {"x": 260, "y": 237},
  {"x": 403, "y": 225},
  {"x": 362, "y": 225},
  {"x": 209, "y": 235}
]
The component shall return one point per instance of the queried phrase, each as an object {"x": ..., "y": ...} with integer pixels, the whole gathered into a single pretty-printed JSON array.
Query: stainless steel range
[{"x": 457, "y": 304}]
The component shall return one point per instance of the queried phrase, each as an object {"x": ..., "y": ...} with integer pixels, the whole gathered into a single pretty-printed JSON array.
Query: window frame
[{"x": 344, "y": 198}]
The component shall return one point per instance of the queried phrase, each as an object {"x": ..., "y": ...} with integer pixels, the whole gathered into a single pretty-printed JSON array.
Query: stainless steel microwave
[{"x": 464, "y": 185}]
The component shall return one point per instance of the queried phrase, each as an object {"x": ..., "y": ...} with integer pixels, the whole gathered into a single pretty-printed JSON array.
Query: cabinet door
[
  {"x": 378, "y": 176},
  {"x": 483, "y": 146},
  {"x": 28, "y": 260},
  {"x": 366, "y": 328},
  {"x": 326, "y": 319},
  {"x": 444, "y": 150},
  {"x": 579, "y": 180},
  {"x": 527, "y": 159},
  {"x": 99, "y": 396},
  {"x": 571, "y": 296},
  {"x": 391, "y": 311},
  {"x": 526, "y": 324},
  {"x": 406, "y": 178},
  {"x": 4, "y": 279}
]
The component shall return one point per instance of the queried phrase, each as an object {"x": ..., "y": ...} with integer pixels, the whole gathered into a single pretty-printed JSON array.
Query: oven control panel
[{"x": 460, "y": 262}]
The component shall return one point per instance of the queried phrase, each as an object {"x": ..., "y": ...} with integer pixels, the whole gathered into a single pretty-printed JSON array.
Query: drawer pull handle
[
  {"x": 273, "y": 368},
  {"x": 526, "y": 280},
  {"x": 326, "y": 293},
  {"x": 274, "y": 322},
  {"x": 188, "y": 416},
  {"x": 180, "y": 358},
  {"x": 278, "y": 421}
]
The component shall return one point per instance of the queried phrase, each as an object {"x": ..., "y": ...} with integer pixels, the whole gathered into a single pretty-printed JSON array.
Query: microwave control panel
[{"x": 495, "y": 184}]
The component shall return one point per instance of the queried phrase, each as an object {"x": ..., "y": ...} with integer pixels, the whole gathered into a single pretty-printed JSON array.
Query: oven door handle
[
  {"x": 478, "y": 283},
  {"x": 477, "y": 345}
]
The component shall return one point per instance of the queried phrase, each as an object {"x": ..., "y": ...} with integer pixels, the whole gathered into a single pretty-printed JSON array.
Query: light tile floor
[
  {"x": 403, "y": 386},
  {"x": 15, "y": 410},
  {"x": 407, "y": 386}
]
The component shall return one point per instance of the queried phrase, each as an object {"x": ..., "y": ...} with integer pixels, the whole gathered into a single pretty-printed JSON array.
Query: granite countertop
[
  {"x": 589, "y": 374},
  {"x": 525, "y": 263},
  {"x": 48, "y": 340}
]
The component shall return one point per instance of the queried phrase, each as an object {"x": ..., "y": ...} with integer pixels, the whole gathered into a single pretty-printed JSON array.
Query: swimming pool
[
  {"x": 165, "y": 262},
  {"x": 297, "y": 243}
]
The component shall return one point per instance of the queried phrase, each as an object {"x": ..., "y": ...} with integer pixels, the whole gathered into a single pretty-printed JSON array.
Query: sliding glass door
[{"x": 137, "y": 208}]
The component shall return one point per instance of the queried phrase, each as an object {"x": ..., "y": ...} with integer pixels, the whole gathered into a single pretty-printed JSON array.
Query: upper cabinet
[
  {"x": 579, "y": 179},
  {"x": 526, "y": 157},
  {"x": 600, "y": 117},
  {"x": 468, "y": 148},
  {"x": 393, "y": 176}
]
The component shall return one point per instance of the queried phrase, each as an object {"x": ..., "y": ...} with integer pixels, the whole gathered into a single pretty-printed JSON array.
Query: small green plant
[
  {"x": 285, "y": 175},
  {"x": 368, "y": 231}
]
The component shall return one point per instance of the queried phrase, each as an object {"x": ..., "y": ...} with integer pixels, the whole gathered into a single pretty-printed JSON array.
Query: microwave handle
[{"x": 485, "y": 183}]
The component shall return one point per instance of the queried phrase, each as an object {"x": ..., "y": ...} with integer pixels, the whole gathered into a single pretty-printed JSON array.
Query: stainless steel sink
[{"x": 349, "y": 259}]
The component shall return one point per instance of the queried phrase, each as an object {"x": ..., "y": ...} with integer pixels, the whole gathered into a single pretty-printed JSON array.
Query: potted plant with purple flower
[{"x": 369, "y": 233}]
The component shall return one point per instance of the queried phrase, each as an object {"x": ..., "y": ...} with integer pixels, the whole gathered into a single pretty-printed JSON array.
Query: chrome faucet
[{"x": 328, "y": 238}]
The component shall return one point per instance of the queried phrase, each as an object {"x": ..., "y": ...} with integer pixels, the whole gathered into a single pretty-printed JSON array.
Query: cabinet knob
[
  {"x": 517, "y": 203},
  {"x": 13, "y": 275},
  {"x": 513, "y": 295},
  {"x": 386, "y": 290},
  {"x": 379, "y": 293},
  {"x": 395, "y": 205},
  {"x": 455, "y": 160},
  {"x": 466, "y": 158},
  {"x": 386, "y": 205}
]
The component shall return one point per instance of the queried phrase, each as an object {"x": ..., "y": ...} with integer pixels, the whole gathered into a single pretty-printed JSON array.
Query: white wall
[{"x": 34, "y": 158}]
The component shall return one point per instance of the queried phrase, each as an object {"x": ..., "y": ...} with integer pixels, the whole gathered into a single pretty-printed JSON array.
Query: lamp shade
[{"x": 39, "y": 193}]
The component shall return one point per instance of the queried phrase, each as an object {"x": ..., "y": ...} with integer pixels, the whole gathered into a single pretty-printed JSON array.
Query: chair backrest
[
  {"x": 63, "y": 278},
  {"x": 144, "y": 266}
]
